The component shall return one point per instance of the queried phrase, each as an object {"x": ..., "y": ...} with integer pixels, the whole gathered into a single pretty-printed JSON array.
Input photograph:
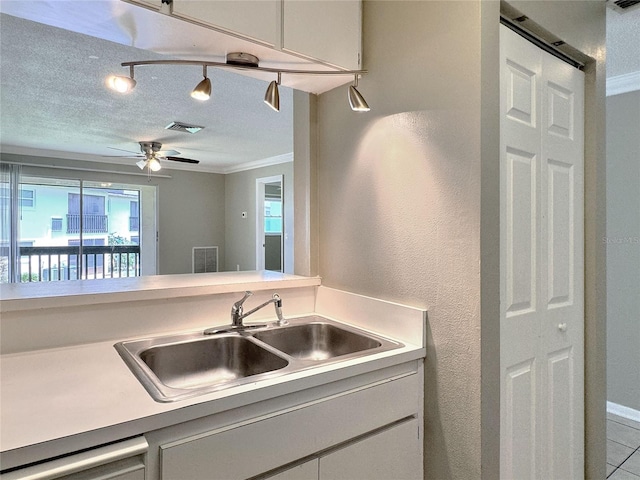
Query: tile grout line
[
  {"x": 620, "y": 466},
  {"x": 636, "y": 449}
]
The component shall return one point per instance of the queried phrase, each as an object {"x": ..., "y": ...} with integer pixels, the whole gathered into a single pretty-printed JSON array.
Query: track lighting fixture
[
  {"x": 272, "y": 96},
  {"x": 122, "y": 84},
  {"x": 203, "y": 89},
  {"x": 356, "y": 100},
  {"x": 241, "y": 61}
]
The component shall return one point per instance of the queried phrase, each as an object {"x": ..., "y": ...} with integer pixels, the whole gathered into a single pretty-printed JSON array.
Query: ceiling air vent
[
  {"x": 183, "y": 127},
  {"x": 205, "y": 259},
  {"x": 622, "y": 5}
]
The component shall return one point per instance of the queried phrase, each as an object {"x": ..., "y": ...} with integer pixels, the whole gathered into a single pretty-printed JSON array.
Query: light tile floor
[{"x": 623, "y": 448}]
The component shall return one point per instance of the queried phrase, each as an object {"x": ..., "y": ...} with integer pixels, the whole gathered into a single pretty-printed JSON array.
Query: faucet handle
[{"x": 239, "y": 303}]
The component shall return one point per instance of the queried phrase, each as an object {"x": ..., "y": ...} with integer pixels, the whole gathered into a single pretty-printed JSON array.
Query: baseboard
[{"x": 623, "y": 411}]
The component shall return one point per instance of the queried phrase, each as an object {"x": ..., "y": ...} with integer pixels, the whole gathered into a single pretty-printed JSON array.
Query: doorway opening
[{"x": 270, "y": 223}]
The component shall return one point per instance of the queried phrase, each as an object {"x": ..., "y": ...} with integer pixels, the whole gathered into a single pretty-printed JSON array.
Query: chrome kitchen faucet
[{"x": 238, "y": 315}]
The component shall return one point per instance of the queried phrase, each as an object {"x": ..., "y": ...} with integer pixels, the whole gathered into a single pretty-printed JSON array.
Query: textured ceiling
[
  {"x": 623, "y": 42},
  {"x": 53, "y": 97}
]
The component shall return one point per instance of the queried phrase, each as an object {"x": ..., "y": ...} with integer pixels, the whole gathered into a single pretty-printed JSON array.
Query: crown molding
[
  {"x": 285, "y": 158},
  {"x": 629, "y": 82},
  {"x": 52, "y": 154}
]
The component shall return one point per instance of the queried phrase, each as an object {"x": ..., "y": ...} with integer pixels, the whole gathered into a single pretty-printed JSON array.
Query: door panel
[{"x": 541, "y": 286}]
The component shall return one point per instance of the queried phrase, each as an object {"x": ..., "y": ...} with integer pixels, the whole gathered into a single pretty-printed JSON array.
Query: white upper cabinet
[
  {"x": 152, "y": 4},
  {"x": 254, "y": 19},
  {"x": 326, "y": 30}
]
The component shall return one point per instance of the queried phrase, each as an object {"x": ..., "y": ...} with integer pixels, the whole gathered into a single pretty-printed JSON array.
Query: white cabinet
[
  {"x": 152, "y": 4},
  {"x": 391, "y": 453},
  {"x": 372, "y": 426},
  {"x": 326, "y": 30},
  {"x": 255, "y": 19},
  {"x": 329, "y": 31}
]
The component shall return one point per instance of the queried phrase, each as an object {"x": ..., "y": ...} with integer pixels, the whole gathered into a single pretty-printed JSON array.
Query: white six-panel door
[{"x": 541, "y": 286}]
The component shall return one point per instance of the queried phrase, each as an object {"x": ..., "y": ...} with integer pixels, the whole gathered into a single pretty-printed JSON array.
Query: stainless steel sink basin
[
  {"x": 209, "y": 361},
  {"x": 182, "y": 366},
  {"x": 316, "y": 341}
]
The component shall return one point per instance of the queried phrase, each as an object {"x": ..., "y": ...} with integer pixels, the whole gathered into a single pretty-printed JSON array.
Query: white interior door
[{"x": 541, "y": 286}]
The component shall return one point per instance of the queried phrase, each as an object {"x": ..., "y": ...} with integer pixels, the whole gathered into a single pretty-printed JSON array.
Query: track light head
[
  {"x": 121, "y": 84},
  {"x": 272, "y": 96},
  {"x": 356, "y": 100},
  {"x": 203, "y": 89}
]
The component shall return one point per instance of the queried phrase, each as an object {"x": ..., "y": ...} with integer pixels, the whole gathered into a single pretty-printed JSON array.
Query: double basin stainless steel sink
[{"x": 182, "y": 366}]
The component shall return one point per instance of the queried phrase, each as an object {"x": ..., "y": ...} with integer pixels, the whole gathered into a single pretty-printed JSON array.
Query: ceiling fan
[{"x": 152, "y": 154}]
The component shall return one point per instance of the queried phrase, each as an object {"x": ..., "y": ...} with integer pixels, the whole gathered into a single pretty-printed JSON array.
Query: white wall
[
  {"x": 407, "y": 200},
  {"x": 623, "y": 250}
]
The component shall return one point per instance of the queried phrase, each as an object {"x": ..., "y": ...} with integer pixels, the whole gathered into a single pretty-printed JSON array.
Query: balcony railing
[
  {"x": 41, "y": 264},
  {"x": 90, "y": 223}
]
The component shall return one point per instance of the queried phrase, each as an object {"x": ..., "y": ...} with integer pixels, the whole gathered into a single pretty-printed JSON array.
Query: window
[
  {"x": 27, "y": 196},
  {"x": 272, "y": 216},
  {"x": 134, "y": 217},
  {"x": 78, "y": 230},
  {"x": 56, "y": 224}
]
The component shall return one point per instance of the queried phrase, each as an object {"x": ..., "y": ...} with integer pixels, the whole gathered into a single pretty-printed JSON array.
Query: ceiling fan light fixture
[
  {"x": 272, "y": 95},
  {"x": 154, "y": 164},
  {"x": 202, "y": 91}
]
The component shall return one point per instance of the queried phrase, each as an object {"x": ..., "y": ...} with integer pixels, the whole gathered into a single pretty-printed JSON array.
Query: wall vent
[
  {"x": 622, "y": 5},
  {"x": 205, "y": 259},
  {"x": 183, "y": 127}
]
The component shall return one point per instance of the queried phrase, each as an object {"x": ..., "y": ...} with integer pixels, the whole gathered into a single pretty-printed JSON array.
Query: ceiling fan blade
[
  {"x": 183, "y": 160},
  {"x": 164, "y": 153},
  {"x": 122, "y": 150},
  {"x": 122, "y": 156},
  {"x": 141, "y": 164}
]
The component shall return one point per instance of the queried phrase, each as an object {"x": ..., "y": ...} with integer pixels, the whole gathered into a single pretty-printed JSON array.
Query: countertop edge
[{"x": 19, "y": 297}]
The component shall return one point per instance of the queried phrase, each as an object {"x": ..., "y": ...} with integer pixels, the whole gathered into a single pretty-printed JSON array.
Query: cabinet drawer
[
  {"x": 250, "y": 448},
  {"x": 392, "y": 453},
  {"x": 119, "y": 461}
]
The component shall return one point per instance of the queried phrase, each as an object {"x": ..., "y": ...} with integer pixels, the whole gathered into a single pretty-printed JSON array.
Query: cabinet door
[
  {"x": 153, "y": 4},
  {"x": 254, "y": 19},
  {"x": 391, "y": 453},
  {"x": 304, "y": 471},
  {"x": 327, "y": 30}
]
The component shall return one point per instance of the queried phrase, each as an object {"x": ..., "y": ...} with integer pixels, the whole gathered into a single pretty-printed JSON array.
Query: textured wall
[
  {"x": 402, "y": 215},
  {"x": 399, "y": 201},
  {"x": 623, "y": 249}
]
